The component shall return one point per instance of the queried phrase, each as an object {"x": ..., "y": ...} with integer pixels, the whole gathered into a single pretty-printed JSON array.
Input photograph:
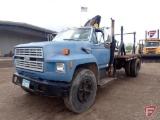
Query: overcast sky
[{"x": 134, "y": 15}]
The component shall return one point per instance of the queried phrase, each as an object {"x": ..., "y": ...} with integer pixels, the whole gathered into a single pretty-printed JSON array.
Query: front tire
[{"x": 82, "y": 92}]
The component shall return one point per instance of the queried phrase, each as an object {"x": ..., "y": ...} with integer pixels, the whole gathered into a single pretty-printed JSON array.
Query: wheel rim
[{"x": 84, "y": 90}]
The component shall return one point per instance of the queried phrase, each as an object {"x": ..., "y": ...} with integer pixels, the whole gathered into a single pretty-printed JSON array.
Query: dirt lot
[{"x": 122, "y": 99}]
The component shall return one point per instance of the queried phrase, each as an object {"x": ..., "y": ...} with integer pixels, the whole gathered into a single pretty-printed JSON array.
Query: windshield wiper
[
  {"x": 69, "y": 39},
  {"x": 77, "y": 39},
  {"x": 84, "y": 39}
]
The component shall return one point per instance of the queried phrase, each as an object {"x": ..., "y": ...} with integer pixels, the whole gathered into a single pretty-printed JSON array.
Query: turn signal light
[
  {"x": 66, "y": 52},
  {"x": 71, "y": 64}
]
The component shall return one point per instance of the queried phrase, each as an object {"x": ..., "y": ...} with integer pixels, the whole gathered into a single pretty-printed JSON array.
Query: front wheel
[{"x": 82, "y": 92}]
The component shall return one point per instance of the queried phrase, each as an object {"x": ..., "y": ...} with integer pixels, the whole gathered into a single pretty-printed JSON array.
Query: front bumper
[
  {"x": 43, "y": 87},
  {"x": 151, "y": 55}
]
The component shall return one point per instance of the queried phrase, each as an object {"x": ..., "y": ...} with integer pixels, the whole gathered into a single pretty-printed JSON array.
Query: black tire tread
[
  {"x": 66, "y": 99},
  {"x": 127, "y": 68},
  {"x": 134, "y": 65},
  {"x": 67, "y": 102}
]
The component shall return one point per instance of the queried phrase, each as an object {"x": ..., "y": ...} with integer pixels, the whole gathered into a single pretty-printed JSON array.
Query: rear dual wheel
[
  {"x": 127, "y": 68},
  {"x": 135, "y": 67},
  {"x": 132, "y": 67}
]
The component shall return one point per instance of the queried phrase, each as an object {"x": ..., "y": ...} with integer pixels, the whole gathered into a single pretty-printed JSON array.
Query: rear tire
[
  {"x": 135, "y": 67},
  {"x": 127, "y": 68},
  {"x": 82, "y": 92}
]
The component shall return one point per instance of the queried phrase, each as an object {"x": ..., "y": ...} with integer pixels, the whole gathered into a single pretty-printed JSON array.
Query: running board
[{"x": 104, "y": 81}]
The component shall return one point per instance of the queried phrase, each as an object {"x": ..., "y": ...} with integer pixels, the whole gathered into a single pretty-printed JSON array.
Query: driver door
[{"x": 101, "y": 53}]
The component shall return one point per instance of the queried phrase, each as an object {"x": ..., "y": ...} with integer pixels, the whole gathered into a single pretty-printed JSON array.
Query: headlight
[{"x": 60, "y": 67}]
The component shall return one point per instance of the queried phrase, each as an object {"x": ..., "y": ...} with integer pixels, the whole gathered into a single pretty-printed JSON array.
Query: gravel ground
[{"x": 122, "y": 99}]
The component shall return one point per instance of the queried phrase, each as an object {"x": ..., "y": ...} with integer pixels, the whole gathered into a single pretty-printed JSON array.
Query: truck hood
[
  {"x": 56, "y": 47},
  {"x": 34, "y": 44}
]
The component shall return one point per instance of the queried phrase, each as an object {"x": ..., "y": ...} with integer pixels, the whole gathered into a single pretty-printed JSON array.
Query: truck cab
[
  {"x": 151, "y": 47},
  {"x": 58, "y": 59}
]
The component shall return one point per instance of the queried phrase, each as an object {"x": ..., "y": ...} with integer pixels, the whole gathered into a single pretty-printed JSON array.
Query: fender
[{"x": 76, "y": 59}]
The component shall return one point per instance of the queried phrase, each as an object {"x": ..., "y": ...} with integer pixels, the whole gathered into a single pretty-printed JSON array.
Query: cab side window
[
  {"x": 94, "y": 38},
  {"x": 100, "y": 37}
]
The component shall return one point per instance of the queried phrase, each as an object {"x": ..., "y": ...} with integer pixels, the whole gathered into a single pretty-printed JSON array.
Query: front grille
[
  {"x": 151, "y": 50},
  {"x": 29, "y": 58},
  {"x": 30, "y": 65},
  {"x": 30, "y": 52}
]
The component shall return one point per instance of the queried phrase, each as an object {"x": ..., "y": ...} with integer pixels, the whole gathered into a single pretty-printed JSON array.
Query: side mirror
[
  {"x": 107, "y": 44},
  {"x": 117, "y": 45}
]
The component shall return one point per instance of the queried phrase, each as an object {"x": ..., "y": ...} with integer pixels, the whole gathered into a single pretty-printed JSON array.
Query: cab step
[{"x": 104, "y": 81}]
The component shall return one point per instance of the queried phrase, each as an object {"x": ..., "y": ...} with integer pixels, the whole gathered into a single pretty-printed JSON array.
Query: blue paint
[{"x": 98, "y": 54}]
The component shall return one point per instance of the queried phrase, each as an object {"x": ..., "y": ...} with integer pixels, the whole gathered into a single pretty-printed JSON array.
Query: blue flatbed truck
[{"x": 72, "y": 65}]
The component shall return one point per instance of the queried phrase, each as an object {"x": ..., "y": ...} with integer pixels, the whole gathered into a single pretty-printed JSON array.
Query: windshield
[
  {"x": 151, "y": 44},
  {"x": 74, "y": 34}
]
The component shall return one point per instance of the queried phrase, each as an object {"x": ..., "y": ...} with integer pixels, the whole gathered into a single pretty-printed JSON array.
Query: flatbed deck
[{"x": 128, "y": 56}]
